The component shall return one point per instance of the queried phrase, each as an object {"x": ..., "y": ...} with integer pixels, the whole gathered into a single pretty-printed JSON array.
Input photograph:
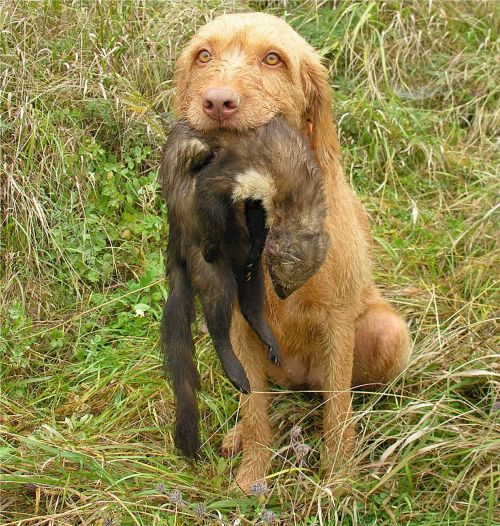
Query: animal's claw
[{"x": 273, "y": 356}]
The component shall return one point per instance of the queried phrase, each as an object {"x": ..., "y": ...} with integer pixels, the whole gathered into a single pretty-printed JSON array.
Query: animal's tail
[{"x": 178, "y": 349}]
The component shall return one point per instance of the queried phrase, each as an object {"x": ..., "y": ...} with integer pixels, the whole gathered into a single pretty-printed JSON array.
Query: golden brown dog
[{"x": 336, "y": 331}]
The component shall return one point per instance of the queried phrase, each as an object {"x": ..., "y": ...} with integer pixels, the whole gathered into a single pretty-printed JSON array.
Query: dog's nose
[{"x": 220, "y": 103}]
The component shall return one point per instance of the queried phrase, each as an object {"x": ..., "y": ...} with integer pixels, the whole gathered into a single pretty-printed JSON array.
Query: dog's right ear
[
  {"x": 181, "y": 80},
  {"x": 318, "y": 112}
]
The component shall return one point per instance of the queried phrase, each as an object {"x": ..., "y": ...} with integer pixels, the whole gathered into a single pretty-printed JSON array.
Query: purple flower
[
  {"x": 201, "y": 510},
  {"x": 160, "y": 488},
  {"x": 258, "y": 489},
  {"x": 268, "y": 516},
  {"x": 295, "y": 432},
  {"x": 301, "y": 451},
  {"x": 175, "y": 497}
]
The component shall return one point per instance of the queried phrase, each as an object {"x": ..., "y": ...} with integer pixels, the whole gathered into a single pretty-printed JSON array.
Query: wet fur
[{"x": 336, "y": 330}]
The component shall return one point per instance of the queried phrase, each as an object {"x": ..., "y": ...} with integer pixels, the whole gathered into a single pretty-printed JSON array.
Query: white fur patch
[{"x": 252, "y": 184}]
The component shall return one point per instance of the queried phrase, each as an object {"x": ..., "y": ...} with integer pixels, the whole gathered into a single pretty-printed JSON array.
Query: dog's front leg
[
  {"x": 338, "y": 428},
  {"x": 255, "y": 425}
]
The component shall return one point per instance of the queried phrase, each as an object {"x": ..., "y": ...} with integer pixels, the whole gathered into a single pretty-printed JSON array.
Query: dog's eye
[
  {"x": 204, "y": 56},
  {"x": 272, "y": 59}
]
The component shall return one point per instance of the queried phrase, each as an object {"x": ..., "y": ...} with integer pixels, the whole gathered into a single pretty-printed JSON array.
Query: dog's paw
[
  {"x": 232, "y": 443},
  {"x": 251, "y": 478}
]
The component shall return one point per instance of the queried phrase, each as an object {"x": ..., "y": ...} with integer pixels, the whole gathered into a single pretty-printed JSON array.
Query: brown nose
[{"x": 220, "y": 103}]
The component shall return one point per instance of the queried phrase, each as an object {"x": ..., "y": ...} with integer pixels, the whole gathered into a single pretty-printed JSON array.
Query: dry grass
[{"x": 85, "y": 94}]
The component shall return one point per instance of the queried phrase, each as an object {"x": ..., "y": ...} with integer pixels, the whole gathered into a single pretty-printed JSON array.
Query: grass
[{"x": 86, "y": 414}]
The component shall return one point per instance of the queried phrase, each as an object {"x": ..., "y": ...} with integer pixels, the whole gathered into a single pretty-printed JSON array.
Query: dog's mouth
[
  {"x": 245, "y": 119},
  {"x": 235, "y": 124}
]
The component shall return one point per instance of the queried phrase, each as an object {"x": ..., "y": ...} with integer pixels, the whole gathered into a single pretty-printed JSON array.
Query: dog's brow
[{"x": 245, "y": 41}]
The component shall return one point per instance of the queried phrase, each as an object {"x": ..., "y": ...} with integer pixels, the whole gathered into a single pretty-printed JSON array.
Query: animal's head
[
  {"x": 240, "y": 70},
  {"x": 295, "y": 250}
]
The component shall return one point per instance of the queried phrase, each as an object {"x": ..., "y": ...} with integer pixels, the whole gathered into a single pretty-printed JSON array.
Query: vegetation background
[{"x": 86, "y": 414}]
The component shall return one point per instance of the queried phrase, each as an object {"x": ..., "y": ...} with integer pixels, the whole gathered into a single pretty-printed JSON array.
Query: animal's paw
[
  {"x": 232, "y": 443},
  {"x": 241, "y": 382},
  {"x": 274, "y": 356},
  {"x": 248, "y": 271},
  {"x": 193, "y": 154},
  {"x": 210, "y": 251},
  {"x": 237, "y": 376},
  {"x": 251, "y": 478}
]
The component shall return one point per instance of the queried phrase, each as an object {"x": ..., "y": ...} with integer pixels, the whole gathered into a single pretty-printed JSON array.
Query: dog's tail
[{"x": 178, "y": 349}]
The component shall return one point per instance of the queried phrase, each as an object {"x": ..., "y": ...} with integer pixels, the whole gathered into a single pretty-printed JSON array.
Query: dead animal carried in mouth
[{"x": 227, "y": 194}]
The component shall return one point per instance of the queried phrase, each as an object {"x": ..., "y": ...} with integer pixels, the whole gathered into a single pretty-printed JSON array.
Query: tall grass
[{"x": 85, "y": 93}]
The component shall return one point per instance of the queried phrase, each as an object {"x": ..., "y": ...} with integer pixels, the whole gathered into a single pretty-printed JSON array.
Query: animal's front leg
[
  {"x": 255, "y": 425},
  {"x": 338, "y": 428}
]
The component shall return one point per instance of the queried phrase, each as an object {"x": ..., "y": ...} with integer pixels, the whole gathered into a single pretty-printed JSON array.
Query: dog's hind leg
[
  {"x": 232, "y": 441},
  {"x": 382, "y": 346}
]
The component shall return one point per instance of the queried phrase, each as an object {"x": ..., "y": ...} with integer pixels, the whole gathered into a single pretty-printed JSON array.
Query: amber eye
[
  {"x": 204, "y": 56},
  {"x": 272, "y": 59}
]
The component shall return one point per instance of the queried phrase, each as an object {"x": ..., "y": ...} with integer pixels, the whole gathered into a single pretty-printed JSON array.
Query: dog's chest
[
  {"x": 301, "y": 351},
  {"x": 298, "y": 370}
]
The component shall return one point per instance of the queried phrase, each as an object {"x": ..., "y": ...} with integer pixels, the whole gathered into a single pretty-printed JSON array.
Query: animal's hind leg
[
  {"x": 382, "y": 344},
  {"x": 250, "y": 280},
  {"x": 214, "y": 211},
  {"x": 256, "y": 223},
  {"x": 217, "y": 303},
  {"x": 251, "y": 298},
  {"x": 232, "y": 441}
]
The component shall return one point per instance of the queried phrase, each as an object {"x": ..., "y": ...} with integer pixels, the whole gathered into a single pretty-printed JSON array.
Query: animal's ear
[
  {"x": 182, "y": 66},
  {"x": 318, "y": 110}
]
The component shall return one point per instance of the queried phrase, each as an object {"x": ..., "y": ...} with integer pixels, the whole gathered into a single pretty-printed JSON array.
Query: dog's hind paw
[{"x": 232, "y": 443}]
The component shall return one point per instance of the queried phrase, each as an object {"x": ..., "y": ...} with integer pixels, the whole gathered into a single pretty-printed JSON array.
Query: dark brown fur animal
[
  {"x": 242, "y": 236},
  {"x": 220, "y": 188}
]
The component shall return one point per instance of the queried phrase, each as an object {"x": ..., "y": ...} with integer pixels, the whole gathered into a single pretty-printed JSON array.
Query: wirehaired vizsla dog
[{"x": 336, "y": 331}]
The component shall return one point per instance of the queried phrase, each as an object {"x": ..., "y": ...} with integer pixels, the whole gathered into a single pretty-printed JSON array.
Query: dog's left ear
[{"x": 318, "y": 97}]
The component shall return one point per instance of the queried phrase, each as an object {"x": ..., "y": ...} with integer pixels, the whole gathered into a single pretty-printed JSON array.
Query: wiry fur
[{"x": 337, "y": 329}]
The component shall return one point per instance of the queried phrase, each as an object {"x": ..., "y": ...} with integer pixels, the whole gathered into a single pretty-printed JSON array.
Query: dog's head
[{"x": 240, "y": 70}]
